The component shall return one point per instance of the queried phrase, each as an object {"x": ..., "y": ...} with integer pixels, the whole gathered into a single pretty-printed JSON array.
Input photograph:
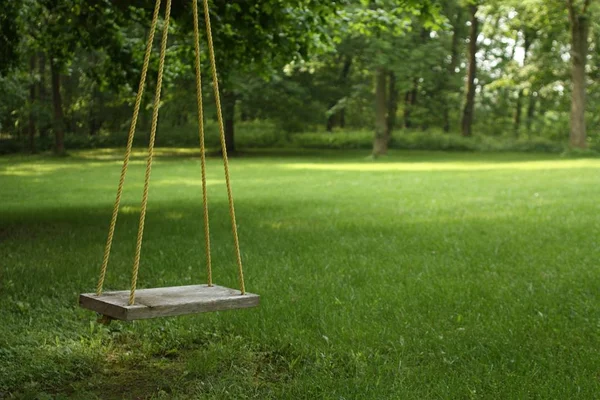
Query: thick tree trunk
[
  {"x": 59, "y": 130},
  {"x": 42, "y": 96},
  {"x": 229, "y": 99},
  {"x": 31, "y": 124},
  {"x": 469, "y": 109},
  {"x": 392, "y": 107},
  {"x": 380, "y": 142},
  {"x": 579, "y": 50}
]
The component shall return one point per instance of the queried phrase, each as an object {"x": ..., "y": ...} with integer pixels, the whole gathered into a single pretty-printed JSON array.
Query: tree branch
[{"x": 586, "y": 5}]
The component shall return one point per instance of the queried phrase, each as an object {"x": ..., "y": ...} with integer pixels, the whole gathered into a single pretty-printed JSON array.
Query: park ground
[{"x": 415, "y": 276}]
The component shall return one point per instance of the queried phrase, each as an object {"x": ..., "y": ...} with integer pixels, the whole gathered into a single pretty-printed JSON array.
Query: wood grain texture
[{"x": 167, "y": 301}]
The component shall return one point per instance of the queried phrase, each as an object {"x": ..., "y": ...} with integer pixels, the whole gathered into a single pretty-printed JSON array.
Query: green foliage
[
  {"x": 265, "y": 135},
  {"x": 429, "y": 140},
  {"x": 9, "y": 35},
  {"x": 301, "y": 65}
]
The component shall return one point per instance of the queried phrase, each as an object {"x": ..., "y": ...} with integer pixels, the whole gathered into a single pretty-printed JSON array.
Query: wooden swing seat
[
  {"x": 177, "y": 300},
  {"x": 167, "y": 301}
]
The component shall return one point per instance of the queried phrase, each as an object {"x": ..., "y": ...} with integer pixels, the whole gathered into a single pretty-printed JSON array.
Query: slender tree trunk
[
  {"x": 410, "y": 100},
  {"x": 530, "y": 112},
  {"x": 344, "y": 83},
  {"x": 244, "y": 115},
  {"x": 380, "y": 142},
  {"x": 42, "y": 96},
  {"x": 392, "y": 107},
  {"x": 407, "y": 103},
  {"x": 229, "y": 99},
  {"x": 59, "y": 130},
  {"x": 67, "y": 83},
  {"x": 331, "y": 120},
  {"x": 452, "y": 65},
  {"x": 469, "y": 109},
  {"x": 95, "y": 111},
  {"x": 519, "y": 106},
  {"x": 32, "y": 105},
  {"x": 527, "y": 43},
  {"x": 579, "y": 50}
]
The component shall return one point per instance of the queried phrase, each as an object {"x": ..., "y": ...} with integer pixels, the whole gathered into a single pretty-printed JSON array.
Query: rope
[
  {"x": 223, "y": 145},
  {"x": 136, "y": 111},
  {"x": 161, "y": 65},
  {"x": 202, "y": 148}
]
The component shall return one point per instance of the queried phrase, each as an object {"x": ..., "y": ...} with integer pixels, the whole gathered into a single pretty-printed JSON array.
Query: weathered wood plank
[{"x": 167, "y": 301}]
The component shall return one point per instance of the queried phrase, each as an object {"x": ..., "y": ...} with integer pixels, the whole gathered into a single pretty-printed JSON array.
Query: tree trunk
[
  {"x": 94, "y": 112},
  {"x": 67, "y": 84},
  {"x": 527, "y": 43},
  {"x": 392, "y": 107},
  {"x": 31, "y": 124},
  {"x": 343, "y": 84},
  {"x": 407, "y": 103},
  {"x": 42, "y": 96},
  {"x": 579, "y": 50},
  {"x": 469, "y": 109},
  {"x": 519, "y": 106},
  {"x": 331, "y": 120},
  {"x": 410, "y": 100},
  {"x": 244, "y": 115},
  {"x": 229, "y": 99},
  {"x": 530, "y": 112},
  {"x": 452, "y": 65},
  {"x": 59, "y": 129},
  {"x": 380, "y": 142}
]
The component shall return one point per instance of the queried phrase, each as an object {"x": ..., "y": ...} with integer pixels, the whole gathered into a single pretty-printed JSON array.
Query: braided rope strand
[
  {"x": 202, "y": 148},
  {"x": 161, "y": 65},
  {"x": 136, "y": 111},
  {"x": 223, "y": 146}
]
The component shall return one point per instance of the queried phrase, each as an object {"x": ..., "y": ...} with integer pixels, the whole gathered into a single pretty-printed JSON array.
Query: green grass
[{"x": 418, "y": 276}]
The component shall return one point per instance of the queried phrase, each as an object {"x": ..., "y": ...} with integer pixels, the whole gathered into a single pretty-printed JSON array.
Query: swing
[{"x": 128, "y": 305}]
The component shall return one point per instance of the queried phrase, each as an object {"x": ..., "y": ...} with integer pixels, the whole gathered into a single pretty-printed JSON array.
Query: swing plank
[{"x": 167, "y": 301}]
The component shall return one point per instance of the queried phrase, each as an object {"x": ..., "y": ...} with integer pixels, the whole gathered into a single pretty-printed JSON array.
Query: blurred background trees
[{"x": 369, "y": 74}]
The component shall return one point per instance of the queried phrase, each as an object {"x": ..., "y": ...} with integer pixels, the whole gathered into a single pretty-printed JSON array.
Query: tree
[
  {"x": 259, "y": 38},
  {"x": 469, "y": 107},
  {"x": 9, "y": 35},
  {"x": 579, "y": 26},
  {"x": 375, "y": 25},
  {"x": 448, "y": 83}
]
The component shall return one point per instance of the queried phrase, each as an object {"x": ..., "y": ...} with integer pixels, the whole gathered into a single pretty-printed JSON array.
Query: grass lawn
[{"x": 419, "y": 276}]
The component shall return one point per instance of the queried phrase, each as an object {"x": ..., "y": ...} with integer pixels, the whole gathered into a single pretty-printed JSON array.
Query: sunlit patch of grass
[
  {"x": 187, "y": 182},
  {"x": 449, "y": 166},
  {"x": 422, "y": 275},
  {"x": 136, "y": 153}
]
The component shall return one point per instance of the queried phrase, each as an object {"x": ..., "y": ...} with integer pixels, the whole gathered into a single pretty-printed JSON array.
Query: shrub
[{"x": 261, "y": 134}]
